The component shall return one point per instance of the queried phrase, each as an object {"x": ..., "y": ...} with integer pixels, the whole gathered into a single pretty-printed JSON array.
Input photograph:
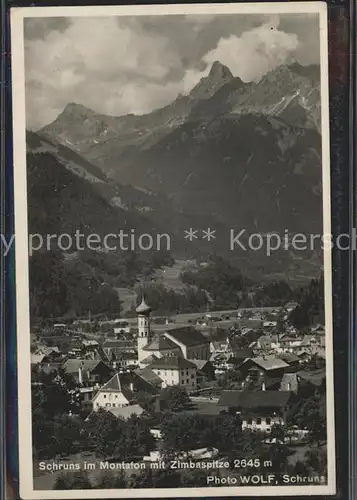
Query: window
[
  {"x": 104, "y": 395},
  {"x": 116, "y": 396},
  {"x": 158, "y": 372},
  {"x": 268, "y": 420},
  {"x": 249, "y": 421},
  {"x": 187, "y": 382},
  {"x": 113, "y": 404},
  {"x": 107, "y": 404},
  {"x": 192, "y": 375},
  {"x": 259, "y": 421}
]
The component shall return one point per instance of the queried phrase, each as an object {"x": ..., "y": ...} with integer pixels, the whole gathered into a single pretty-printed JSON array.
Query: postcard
[{"x": 173, "y": 250}]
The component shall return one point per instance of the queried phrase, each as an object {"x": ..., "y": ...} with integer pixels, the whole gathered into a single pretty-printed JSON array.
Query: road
[{"x": 186, "y": 318}]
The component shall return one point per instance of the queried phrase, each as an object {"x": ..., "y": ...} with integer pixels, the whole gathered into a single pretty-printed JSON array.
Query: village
[{"x": 200, "y": 388}]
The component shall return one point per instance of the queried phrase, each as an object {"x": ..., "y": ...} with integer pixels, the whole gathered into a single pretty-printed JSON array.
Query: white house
[
  {"x": 113, "y": 395},
  {"x": 174, "y": 370}
]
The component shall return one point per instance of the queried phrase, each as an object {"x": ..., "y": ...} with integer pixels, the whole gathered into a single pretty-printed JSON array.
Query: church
[{"x": 185, "y": 343}]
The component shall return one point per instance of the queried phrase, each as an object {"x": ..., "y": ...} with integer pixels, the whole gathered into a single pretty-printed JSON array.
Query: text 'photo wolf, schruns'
[{"x": 173, "y": 276}]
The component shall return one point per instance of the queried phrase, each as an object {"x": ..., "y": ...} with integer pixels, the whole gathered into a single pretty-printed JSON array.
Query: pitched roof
[
  {"x": 241, "y": 354},
  {"x": 172, "y": 363},
  {"x": 187, "y": 335},
  {"x": 73, "y": 365},
  {"x": 149, "y": 376},
  {"x": 37, "y": 358},
  {"x": 47, "y": 350},
  {"x": 88, "y": 343},
  {"x": 289, "y": 357},
  {"x": 127, "y": 411},
  {"x": 149, "y": 359},
  {"x": 201, "y": 363},
  {"x": 113, "y": 385},
  {"x": 160, "y": 343},
  {"x": 315, "y": 377},
  {"x": 254, "y": 399},
  {"x": 118, "y": 344},
  {"x": 307, "y": 340},
  {"x": 269, "y": 362},
  {"x": 265, "y": 340}
]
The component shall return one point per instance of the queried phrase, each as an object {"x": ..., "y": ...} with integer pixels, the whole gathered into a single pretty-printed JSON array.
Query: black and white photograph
[{"x": 173, "y": 250}]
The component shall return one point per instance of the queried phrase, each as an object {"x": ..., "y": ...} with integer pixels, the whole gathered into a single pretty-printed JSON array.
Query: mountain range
[{"x": 228, "y": 155}]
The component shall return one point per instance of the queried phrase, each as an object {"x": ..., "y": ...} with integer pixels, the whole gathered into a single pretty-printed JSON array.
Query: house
[
  {"x": 271, "y": 365},
  {"x": 125, "y": 412},
  {"x": 289, "y": 382},
  {"x": 46, "y": 354},
  {"x": 290, "y": 306},
  {"x": 37, "y": 359},
  {"x": 147, "y": 380},
  {"x": 113, "y": 394},
  {"x": 291, "y": 359},
  {"x": 239, "y": 356},
  {"x": 318, "y": 330},
  {"x": 270, "y": 324},
  {"x": 268, "y": 342},
  {"x": 121, "y": 327},
  {"x": 205, "y": 371},
  {"x": 290, "y": 344},
  {"x": 221, "y": 347},
  {"x": 175, "y": 370},
  {"x": 259, "y": 410},
  {"x": 312, "y": 381},
  {"x": 115, "y": 348},
  {"x": 87, "y": 394},
  {"x": 88, "y": 371},
  {"x": 89, "y": 344}
]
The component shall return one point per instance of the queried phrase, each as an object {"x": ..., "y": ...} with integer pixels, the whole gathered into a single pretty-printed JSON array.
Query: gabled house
[
  {"x": 259, "y": 410},
  {"x": 87, "y": 371},
  {"x": 174, "y": 370},
  {"x": 271, "y": 365},
  {"x": 205, "y": 371},
  {"x": 147, "y": 380},
  {"x": 113, "y": 394},
  {"x": 239, "y": 356},
  {"x": 312, "y": 381}
]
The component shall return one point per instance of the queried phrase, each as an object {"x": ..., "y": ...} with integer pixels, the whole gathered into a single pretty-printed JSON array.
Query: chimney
[
  {"x": 158, "y": 408},
  {"x": 80, "y": 374},
  {"x": 263, "y": 386}
]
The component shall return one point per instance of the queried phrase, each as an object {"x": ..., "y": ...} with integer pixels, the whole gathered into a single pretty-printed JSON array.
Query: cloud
[
  {"x": 255, "y": 52},
  {"x": 133, "y": 65}
]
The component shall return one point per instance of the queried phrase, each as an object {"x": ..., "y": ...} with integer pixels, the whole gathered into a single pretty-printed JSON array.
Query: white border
[{"x": 21, "y": 251}]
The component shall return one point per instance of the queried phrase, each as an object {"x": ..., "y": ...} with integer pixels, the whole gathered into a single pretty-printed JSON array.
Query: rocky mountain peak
[
  {"x": 220, "y": 71},
  {"x": 73, "y": 109},
  {"x": 218, "y": 76}
]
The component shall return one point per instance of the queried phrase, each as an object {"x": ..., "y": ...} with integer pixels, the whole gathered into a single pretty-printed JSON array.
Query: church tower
[{"x": 143, "y": 311}]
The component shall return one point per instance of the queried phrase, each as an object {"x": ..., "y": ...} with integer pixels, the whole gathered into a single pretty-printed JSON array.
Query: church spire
[{"x": 143, "y": 308}]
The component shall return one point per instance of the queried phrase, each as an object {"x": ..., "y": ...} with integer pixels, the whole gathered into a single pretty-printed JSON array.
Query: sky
[{"x": 120, "y": 65}]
